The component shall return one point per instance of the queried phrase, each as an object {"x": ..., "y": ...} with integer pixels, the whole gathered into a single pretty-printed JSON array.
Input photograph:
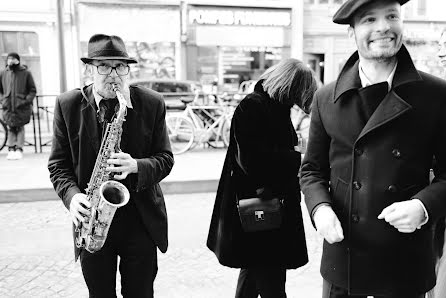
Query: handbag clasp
[{"x": 259, "y": 215}]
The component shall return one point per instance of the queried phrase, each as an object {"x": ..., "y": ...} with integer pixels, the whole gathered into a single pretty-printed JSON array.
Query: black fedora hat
[
  {"x": 107, "y": 47},
  {"x": 348, "y": 9}
]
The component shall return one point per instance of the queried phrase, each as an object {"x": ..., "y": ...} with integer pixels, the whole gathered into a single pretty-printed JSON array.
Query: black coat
[
  {"x": 17, "y": 92},
  {"x": 76, "y": 145},
  {"x": 260, "y": 154},
  {"x": 360, "y": 170}
]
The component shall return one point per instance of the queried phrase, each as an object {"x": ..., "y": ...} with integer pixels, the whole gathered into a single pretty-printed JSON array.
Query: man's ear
[
  {"x": 351, "y": 32},
  {"x": 88, "y": 70}
]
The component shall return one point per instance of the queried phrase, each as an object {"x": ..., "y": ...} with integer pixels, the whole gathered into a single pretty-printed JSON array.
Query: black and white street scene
[{"x": 222, "y": 148}]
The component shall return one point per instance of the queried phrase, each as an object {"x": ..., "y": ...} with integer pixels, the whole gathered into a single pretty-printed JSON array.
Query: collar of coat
[
  {"x": 88, "y": 96},
  {"x": 349, "y": 77}
]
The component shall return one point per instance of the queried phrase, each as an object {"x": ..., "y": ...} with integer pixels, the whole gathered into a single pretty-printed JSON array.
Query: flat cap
[{"x": 349, "y": 8}]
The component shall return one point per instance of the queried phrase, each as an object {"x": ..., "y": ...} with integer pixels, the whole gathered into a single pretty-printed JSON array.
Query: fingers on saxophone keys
[
  {"x": 77, "y": 218},
  {"x": 84, "y": 211},
  {"x": 85, "y": 203},
  {"x": 113, "y": 161}
]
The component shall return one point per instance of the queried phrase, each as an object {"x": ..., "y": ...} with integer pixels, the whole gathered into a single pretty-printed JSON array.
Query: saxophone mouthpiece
[{"x": 115, "y": 87}]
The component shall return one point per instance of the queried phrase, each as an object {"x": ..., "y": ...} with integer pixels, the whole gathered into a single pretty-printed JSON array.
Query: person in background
[
  {"x": 17, "y": 92},
  {"x": 262, "y": 160},
  {"x": 80, "y": 119},
  {"x": 365, "y": 175}
]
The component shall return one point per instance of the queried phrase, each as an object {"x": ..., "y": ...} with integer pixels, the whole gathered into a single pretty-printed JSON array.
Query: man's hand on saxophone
[
  {"x": 122, "y": 163},
  {"x": 79, "y": 208}
]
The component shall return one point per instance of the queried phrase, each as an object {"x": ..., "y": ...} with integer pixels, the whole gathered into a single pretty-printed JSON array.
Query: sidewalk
[
  {"x": 36, "y": 258},
  {"x": 27, "y": 179}
]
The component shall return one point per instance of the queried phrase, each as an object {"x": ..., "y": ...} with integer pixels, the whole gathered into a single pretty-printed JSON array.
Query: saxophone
[{"x": 105, "y": 195}]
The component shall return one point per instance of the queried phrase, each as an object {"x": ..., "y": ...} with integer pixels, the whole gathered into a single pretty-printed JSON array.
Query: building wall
[{"x": 159, "y": 34}]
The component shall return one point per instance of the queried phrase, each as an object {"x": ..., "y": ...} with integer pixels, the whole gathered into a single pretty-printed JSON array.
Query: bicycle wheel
[
  {"x": 220, "y": 138},
  {"x": 181, "y": 133},
  {"x": 3, "y": 134},
  {"x": 226, "y": 132}
]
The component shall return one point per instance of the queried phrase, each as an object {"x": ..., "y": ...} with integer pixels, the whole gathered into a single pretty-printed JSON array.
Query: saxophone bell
[{"x": 114, "y": 193}]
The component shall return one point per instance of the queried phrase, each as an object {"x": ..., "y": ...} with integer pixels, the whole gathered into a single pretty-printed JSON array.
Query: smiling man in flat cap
[{"x": 373, "y": 135}]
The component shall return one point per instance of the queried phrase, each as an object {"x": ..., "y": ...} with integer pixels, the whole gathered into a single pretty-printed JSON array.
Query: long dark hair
[{"x": 290, "y": 82}]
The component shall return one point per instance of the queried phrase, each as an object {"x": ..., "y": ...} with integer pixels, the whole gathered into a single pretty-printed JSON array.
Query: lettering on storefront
[{"x": 239, "y": 17}]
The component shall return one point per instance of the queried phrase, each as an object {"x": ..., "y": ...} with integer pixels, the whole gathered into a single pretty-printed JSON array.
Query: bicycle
[
  {"x": 199, "y": 124},
  {"x": 3, "y": 134},
  {"x": 301, "y": 124}
]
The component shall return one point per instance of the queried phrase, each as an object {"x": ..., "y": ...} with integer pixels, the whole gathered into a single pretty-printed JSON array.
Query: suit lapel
[
  {"x": 89, "y": 118},
  {"x": 391, "y": 107}
]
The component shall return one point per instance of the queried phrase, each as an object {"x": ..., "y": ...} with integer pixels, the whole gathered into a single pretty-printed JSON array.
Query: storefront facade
[{"x": 229, "y": 45}]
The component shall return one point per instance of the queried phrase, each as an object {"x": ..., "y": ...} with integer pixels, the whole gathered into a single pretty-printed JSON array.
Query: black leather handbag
[{"x": 260, "y": 214}]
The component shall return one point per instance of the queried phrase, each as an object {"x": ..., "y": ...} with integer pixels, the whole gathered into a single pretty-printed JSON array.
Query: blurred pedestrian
[
  {"x": 144, "y": 159},
  {"x": 439, "y": 237},
  {"x": 365, "y": 175},
  {"x": 17, "y": 92},
  {"x": 261, "y": 161}
]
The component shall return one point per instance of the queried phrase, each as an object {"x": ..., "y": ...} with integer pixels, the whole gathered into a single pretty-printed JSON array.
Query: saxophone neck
[{"x": 122, "y": 101}]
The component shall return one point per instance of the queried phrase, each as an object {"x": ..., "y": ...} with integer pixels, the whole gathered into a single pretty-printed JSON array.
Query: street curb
[{"x": 48, "y": 194}]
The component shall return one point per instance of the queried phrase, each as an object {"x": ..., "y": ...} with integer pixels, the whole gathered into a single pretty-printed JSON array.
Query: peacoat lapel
[
  {"x": 89, "y": 118},
  {"x": 391, "y": 107}
]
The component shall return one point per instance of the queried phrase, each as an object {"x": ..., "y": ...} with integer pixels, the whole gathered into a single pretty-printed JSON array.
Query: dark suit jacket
[
  {"x": 360, "y": 170},
  {"x": 261, "y": 155},
  {"x": 76, "y": 144}
]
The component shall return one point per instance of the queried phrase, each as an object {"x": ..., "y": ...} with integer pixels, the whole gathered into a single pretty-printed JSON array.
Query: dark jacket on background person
[
  {"x": 144, "y": 137},
  {"x": 17, "y": 92},
  {"x": 361, "y": 168},
  {"x": 260, "y": 155}
]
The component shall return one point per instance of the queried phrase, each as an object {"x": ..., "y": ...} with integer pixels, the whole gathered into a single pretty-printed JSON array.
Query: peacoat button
[
  {"x": 392, "y": 188},
  {"x": 396, "y": 153},
  {"x": 359, "y": 151},
  {"x": 357, "y": 185},
  {"x": 355, "y": 218}
]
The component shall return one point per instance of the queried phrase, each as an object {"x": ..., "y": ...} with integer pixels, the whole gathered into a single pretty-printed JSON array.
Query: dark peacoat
[
  {"x": 76, "y": 144},
  {"x": 359, "y": 170},
  {"x": 17, "y": 92},
  {"x": 260, "y": 155}
]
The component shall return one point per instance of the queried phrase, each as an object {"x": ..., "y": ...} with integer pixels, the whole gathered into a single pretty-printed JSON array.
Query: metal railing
[{"x": 47, "y": 110}]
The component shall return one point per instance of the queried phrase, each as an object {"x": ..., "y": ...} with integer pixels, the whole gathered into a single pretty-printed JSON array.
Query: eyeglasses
[{"x": 121, "y": 69}]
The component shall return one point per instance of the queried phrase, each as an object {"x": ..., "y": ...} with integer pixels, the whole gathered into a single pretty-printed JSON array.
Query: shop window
[
  {"x": 26, "y": 44},
  {"x": 208, "y": 65},
  {"x": 241, "y": 64}
]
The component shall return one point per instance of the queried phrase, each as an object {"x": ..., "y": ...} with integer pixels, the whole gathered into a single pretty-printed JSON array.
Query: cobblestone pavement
[{"x": 36, "y": 254}]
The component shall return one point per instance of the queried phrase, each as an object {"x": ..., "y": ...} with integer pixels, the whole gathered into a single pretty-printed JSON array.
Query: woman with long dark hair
[{"x": 262, "y": 162}]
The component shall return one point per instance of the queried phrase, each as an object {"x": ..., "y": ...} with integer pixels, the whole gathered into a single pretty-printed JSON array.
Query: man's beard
[
  {"x": 385, "y": 55},
  {"x": 382, "y": 55}
]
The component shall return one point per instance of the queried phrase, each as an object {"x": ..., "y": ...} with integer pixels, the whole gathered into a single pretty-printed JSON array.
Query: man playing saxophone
[{"x": 80, "y": 159}]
